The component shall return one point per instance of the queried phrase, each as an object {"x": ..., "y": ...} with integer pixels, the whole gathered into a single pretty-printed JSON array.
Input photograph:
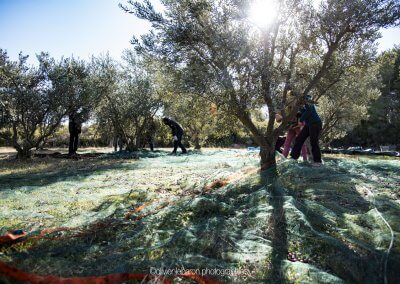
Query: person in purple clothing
[
  {"x": 312, "y": 129},
  {"x": 295, "y": 128}
]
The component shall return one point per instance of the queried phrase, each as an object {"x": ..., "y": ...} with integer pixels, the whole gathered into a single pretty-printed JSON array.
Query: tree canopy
[{"x": 220, "y": 53}]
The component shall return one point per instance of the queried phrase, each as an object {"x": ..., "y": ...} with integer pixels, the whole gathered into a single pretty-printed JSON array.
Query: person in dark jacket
[
  {"x": 312, "y": 129},
  {"x": 75, "y": 128},
  {"x": 177, "y": 132}
]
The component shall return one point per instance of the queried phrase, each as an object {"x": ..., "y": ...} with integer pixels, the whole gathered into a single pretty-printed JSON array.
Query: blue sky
[
  {"x": 81, "y": 28},
  {"x": 78, "y": 27}
]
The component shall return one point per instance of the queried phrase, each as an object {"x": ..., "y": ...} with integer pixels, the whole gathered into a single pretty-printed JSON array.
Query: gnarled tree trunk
[
  {"x": 267, "y": 156},
  {"x": 24, "y": 153},
  {"x": 196, "y": 139},
  {"x": 131, "y": 147},
  {"x": 265, "y": 142}
]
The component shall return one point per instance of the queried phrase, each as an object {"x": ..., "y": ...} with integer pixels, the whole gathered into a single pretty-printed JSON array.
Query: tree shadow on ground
[{"x": 278, "y": 224}]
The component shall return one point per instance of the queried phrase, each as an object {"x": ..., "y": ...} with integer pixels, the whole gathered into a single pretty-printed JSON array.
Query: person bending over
[
  {"x": 177, "y": 132},
  {"x": 312, "y": 129},
  {"x": 294, "y": 130}
]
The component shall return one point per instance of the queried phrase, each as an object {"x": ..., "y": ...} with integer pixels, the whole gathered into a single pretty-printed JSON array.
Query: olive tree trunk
[
  {"x": 267, "y": 157},
  {"x": 24, "y": 153}
]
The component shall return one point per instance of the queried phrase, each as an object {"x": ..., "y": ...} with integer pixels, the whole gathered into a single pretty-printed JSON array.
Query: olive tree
[
  {"x": 243, "y": 66},
  {"x": 30, "y": 109},
  {"x": 73, "y": 85},
  {"x": 129, "y": 98}
]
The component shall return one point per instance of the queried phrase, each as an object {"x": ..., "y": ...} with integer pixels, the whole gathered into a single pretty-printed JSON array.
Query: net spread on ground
[{"x": 212, "y": 212}]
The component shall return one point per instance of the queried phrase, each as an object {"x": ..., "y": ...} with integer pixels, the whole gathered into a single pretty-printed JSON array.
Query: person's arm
[
  {"x": 278, "y": 117},
  {"x": 306, "y": 113},
  {"x": 174, "y": 129},
  {"x": 299, "y": 124}
]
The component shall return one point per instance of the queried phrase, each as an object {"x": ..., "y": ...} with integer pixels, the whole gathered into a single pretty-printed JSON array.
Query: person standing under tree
[
  {"x": 294, "y": 128},
  {"x": 177, "y": 132},
  {"x": 75, "y": 128},
  {"x": 312, "y": 129}
]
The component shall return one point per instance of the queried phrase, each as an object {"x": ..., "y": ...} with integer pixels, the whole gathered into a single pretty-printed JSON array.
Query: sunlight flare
[{"x": 263, "y": 12}]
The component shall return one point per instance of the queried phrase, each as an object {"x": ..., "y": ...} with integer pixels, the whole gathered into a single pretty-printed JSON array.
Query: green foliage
[
  {"x": 345, "y": 104},
  {"x": 383, "y": 123},
  {"x": 129, "y": 101},
  {"x": 72, "y": 83}
]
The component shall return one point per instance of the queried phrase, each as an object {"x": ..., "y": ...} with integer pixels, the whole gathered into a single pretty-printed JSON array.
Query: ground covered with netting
[{"x": 210, "y": 214}]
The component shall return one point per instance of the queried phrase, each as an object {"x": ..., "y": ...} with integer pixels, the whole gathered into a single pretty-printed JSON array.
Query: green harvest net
[{"x": 210, "y": 211}]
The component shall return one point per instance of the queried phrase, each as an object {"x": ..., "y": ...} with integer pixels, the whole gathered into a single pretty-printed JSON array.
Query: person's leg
[
  {"x": 279, "y": 143},
  {"x": 286, "y": 146},
  {"x": 304, "y": 152},
  {"x": 71, "y": 143},
  {"x": 151, "y": 142},
  {"x": 76, "y": 143},
  {"x": 298, "y": 143},
  {"x": 175, "y": 146},
  {"x": 315, "y": 130},
  {"x": 180, "y": 143},
  {"x": 115, "y": 143},
  {"x": 304, "y": 147},
  {"x": 308, "y": 147}
]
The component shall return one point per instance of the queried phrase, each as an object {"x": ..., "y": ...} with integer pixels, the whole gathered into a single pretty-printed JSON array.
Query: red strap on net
[
  {"x": 15, "y": 274},
  {"x": 18, "y": 275}
]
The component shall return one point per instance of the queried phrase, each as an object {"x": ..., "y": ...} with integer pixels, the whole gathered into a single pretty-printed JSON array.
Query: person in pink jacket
[{"x": 294, "y": 129}]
